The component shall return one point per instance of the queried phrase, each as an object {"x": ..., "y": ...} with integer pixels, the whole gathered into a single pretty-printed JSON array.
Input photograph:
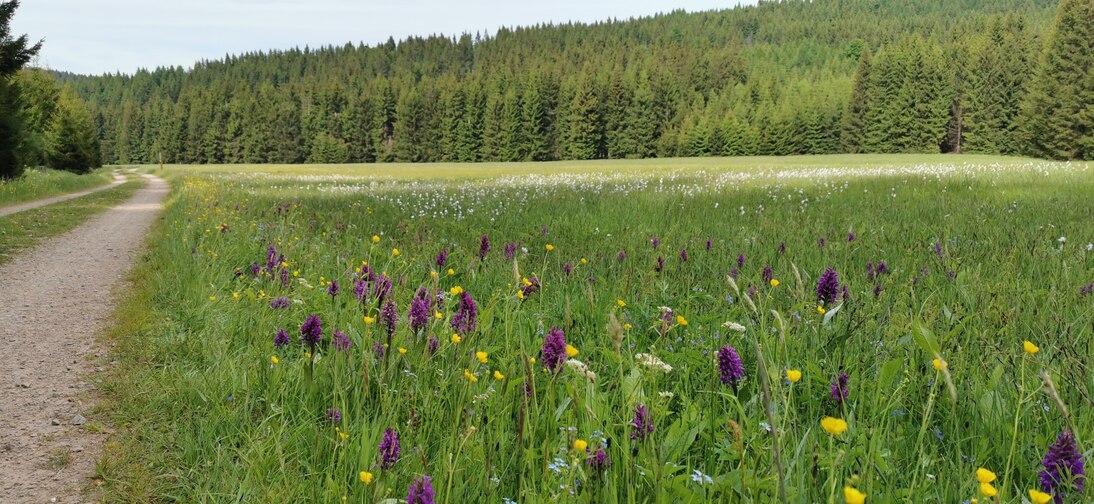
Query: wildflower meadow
[{"x": 916, "y": 330}]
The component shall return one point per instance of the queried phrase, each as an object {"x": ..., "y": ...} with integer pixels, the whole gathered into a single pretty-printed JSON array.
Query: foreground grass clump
[
  {"x": 818, "y": 334},
  {"x": 43, "y": 184}
]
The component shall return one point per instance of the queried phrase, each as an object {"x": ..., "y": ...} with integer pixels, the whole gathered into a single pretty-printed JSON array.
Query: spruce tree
[
  {"x": 854, "y": 119},
  {"x": 585, "y": 132},
  {"x": 72, "y": 143},
  {"x": 1059, "y": 115},
  {"x": 15, "y": 52}
]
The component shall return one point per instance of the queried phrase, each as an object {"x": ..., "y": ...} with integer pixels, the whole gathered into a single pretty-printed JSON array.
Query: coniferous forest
[{"x": 779, "y": 78}]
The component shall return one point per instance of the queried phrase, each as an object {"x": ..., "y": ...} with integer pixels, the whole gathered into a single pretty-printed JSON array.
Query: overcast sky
[{"x": 97, "y": 36}]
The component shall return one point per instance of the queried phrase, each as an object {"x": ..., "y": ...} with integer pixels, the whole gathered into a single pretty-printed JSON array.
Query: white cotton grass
[{"x": 652, "y": 363}]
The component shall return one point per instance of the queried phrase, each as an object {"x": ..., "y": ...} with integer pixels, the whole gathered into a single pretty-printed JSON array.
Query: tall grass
[
  {"x": 981, "y": 258},
  {"x": 36, "y": 184}
]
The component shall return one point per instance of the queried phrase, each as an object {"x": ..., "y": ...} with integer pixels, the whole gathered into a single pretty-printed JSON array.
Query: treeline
[
  {"x": 41, "y": 123},
  {"x": 791, "y": 77}
]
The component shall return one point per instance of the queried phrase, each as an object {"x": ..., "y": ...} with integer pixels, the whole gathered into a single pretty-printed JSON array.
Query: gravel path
[
  {"x": 8, "y": 210},
  {"x": 54, "y": 299}
]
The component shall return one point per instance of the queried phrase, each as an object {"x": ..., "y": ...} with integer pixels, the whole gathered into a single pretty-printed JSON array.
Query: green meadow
[{"x": 799, "y": 329}]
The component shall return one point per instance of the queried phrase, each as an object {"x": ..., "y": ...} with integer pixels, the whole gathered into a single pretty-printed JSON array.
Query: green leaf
[{"x": 925, "y": 339}]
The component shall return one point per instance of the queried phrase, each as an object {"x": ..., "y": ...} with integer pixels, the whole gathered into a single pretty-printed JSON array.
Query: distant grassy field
[
  {"x": 712, "y": 330},
  {"x": 757, "y": 164},
  {"x": 36, "y": 185}
]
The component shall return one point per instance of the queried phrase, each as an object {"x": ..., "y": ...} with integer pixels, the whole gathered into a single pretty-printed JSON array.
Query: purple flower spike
[
  {"x": 281, "y": 338},
  {"x": 598, "y": 460},
  {"x": 341, "y": 341},
  {"x": 622, "y": 255},
  {"x": 442, "y": 258},
  {"x": 828, "y": 288},
  {"x": 333, "y": 289},
  {"x": 660, "y": 264},
  {"x": 768, "y": 274},
  {"x": 421, "y": 491},
  {"x": 684, "y": 255},
  {"x": 466, "y": 317},
  {"x": 839, "y": 390},
  {"x": 510, "y": 251},
  {"x": 554, "y": 349},
  {"x": 484, "y": 247},
  {"x": 419, "y": 309},
  {"x": 389, "y": 448},
  {"x": 389, "y": 317},
  {"x": 1064, "y": 472},
  {"x": 333, "y": 415},
  {"x": 641, "y": 426},
  {"x": 730, "y": 369},
  {"x": 311, "y": 333},
  {"x": 279, "y": 303}
]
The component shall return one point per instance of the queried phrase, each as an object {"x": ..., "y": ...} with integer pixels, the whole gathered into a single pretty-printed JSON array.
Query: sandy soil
[
  {"x": 54, "y": 299},
  {"x": 8, "y": 210}
]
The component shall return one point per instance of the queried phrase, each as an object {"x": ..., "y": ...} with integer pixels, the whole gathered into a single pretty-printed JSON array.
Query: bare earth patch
[{"x": 54, "y": 299}]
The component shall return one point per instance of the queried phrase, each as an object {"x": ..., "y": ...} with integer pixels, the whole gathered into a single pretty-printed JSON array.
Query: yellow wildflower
[
  {"x": 451, "y": 272},
  {"x": 834, "y": 426},
  {"x": 438, "y": 315},
  {"x": 681, "y": 320},
  {"x": 520, "y": 294},
  {"x": 774, "y": 282},
  {"x": 1038, "y": 497},
  {"x": 853, "y": 496},
  {"x": 987, "y": 490},
  {"x": 571, "y": 351},
  {"x": 366, "y": 477},
  {"x": 395, "y": 252},
  {"x": 402, "y": 351},
  {"x": 550, "y": 247},
  {"x": 984, "y": 475},
  {"x": 580, "y": 445},
  {"x": 820, "y": 309},
  {"x": 273, "y": 359},
  {"x": 627, "y": 326},
  {"x": 584, "y": 261},
  {"x": 1030, "y": 348},
  {"x": 456, "y": 338},
  {"x": 531, "y": 360},
  {"x": 212, "y": 298},
  {"x": 621, "y": 303},
  {"x": 498, "y": 375},
  {"x": 794, "y": 375},
  {"x": 483, "y": 357},
  {"x": 939, "y": 364},
  {"x": 455, "y": 291},
  {"x": 470, "y": 377},
  {"x": 369, "y": 320},
  {"x": 235, "y": 295},
  {"x": 375, "y": 239},
  {"x": 296, "y": 273}
]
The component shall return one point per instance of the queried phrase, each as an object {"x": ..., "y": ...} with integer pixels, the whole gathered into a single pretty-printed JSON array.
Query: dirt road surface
[{"x": 54, "y": 299}]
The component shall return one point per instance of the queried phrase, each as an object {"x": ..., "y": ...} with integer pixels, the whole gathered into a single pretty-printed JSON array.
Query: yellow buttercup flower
[
  {"x": 366, "y": 477},
  {"x": 456, "y": 338},
  {"x": 295, "y": 273},
  {"x": 987, "y": 490},
  {"x": 483, "y": 357},
  {"x": 451, "y": 272},
  {"x": 344, "y": 436},
  {"x": 395, "y": 252},
  {"x": 984, "y": 476},
  {"x": 498, "y": 375},
  {"x": 402, "y": 350},
  {"x": 438, "y": 315},
  {"x": 571, "y": 351},
  {"x": 369, "y": 320},
  {"x": 627, "y": 326},
  {"x": 235, "y": 295},
  {"x": 375, "y": 239},
  {"x": 212, "y": 298},
  {"x": 1030, "y": 348},
  {"x": 834, "y": 426},
  {"x": 794, "y": 375},
  {"x": 939, "y": 364},
  {"x": 621, "y": 303},
  {"x": 820, "y": 309},
  {"x": 273, "y": 359},
  {"x": 580, "y": 445},
  {"x": 550, "y": 247},
  {"x": 520, "y": 294},
  {"x": 774, "y": 282},
  {"x": 432, "y": 274},
  {"x": 681, "y": 320},
  {"x": 470, "y": 377},
  {"x": 456, "y": 291},
  {"x": 584, "y": 261},
  {"x": 1038, "y": 497},
  {"x": 853, "y": 496}
]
